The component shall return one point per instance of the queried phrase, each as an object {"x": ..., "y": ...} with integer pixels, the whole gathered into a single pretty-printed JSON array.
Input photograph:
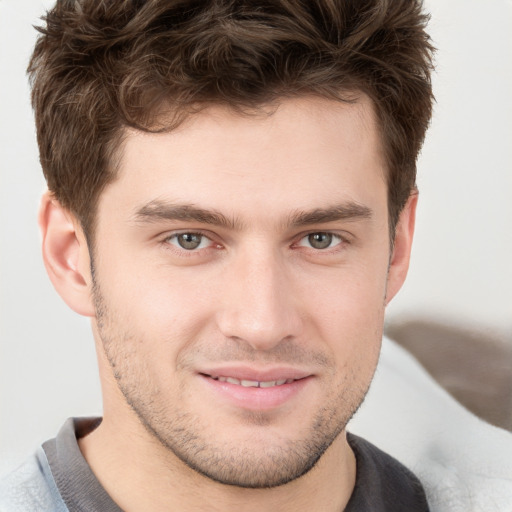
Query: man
[{"x": 231, "y": 201}]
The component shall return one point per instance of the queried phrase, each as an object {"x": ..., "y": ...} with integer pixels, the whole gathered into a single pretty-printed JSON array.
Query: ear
[
  {"x": 66, "y": 255},
  {"x": 399, "y": 263}
]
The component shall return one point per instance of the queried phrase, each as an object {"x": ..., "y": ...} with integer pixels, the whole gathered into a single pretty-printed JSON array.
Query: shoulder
[
  {"x": 30, "y": 487},
  {"x": 383, "y": 484}
]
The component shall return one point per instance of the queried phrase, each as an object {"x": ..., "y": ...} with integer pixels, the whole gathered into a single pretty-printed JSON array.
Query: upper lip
[{"x": 256, "y": 374}]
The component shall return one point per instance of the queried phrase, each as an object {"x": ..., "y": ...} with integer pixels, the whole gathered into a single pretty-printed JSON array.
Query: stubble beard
[{"x": 186, "y": 436}]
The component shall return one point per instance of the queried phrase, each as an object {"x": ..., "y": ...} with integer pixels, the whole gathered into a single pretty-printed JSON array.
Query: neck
[{"x": 140, "y": 474}]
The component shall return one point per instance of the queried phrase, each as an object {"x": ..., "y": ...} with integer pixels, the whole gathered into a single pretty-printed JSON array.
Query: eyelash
[
  {"x": 333, "y": 236},
  {"x": 167, "y": 242},
  {"x": 342, "y": 241}
]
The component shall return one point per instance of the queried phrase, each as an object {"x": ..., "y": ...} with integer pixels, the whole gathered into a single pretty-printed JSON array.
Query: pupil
[
  {"x": 189, "y": 240},
  {"x": 320, "y": 240}
]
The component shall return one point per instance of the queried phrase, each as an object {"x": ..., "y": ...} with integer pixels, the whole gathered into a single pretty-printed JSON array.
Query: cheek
[
  {"x": 154, "y": 297},
  {"x": 348, "y": 313},
  {"x": 353, "y": 295}
]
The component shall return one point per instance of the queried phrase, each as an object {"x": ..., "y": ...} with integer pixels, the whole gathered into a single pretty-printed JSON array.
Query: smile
[
  {"x": 250, "y": 389},
  {"x": 253, "y": 383}
]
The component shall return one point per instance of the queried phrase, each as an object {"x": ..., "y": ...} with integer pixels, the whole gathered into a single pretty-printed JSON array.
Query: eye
[
  {"x": 320, "y": 240},
  {"x": 189, "y": 241}
]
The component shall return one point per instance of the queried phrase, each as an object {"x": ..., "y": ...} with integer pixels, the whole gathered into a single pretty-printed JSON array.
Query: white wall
[{"x": 461, "y": 267}]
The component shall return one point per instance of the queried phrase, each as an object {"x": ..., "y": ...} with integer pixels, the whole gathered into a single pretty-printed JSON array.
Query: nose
[{"x": 258, "y": 305}]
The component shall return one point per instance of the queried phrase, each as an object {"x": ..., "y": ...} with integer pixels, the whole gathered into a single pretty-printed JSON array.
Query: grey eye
[
  {"x": 189, "y": 241},
  {"x": 320, "y": 240}
]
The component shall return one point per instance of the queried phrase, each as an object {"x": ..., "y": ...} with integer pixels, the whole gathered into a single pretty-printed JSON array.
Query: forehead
[{"x": 303, "y": 153}]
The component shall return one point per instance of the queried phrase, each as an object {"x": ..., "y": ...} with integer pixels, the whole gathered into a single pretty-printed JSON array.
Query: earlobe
[
  {"x": 399, "y": 263},
  {"x": 66, "y": 255}
]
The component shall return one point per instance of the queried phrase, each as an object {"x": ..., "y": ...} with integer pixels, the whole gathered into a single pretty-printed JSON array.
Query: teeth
[
  {"x": 249, "y": 383},
  {"x": 254, "y": 383}
]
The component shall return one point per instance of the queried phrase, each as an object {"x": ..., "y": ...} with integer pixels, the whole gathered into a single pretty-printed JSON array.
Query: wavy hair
[{"x": 102, "y": 65}]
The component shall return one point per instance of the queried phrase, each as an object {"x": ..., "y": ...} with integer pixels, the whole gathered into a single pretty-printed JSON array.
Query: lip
[
  {"x": 256, "y": 398},
  {"x": 256, "y": 374}
]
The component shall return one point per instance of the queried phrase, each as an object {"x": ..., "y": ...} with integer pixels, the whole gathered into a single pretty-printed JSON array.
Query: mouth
[
  {"x": 257, "y": 391},
  {"x": 252, "y": 383}
]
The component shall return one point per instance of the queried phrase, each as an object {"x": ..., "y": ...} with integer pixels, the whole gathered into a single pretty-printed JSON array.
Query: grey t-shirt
[{"x": 58, "y": 479}]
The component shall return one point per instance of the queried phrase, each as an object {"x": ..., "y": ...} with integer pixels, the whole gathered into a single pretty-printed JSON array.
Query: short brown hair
[{"x": 100, "y": 66}]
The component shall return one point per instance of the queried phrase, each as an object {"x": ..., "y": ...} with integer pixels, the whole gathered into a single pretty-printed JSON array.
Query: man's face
[{"x": 241, "y": 266}]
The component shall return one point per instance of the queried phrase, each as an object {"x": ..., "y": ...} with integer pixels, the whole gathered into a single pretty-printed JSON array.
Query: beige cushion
[{"x": 473, "y": 365}]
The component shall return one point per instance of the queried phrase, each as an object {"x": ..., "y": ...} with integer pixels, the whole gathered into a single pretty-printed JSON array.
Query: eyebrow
[
  {"x": 349, "y": 211},
  {"x": 158, "y": 210}
]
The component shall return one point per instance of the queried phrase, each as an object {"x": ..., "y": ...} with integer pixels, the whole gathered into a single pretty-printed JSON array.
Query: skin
[{"x": 290, "y": 277}]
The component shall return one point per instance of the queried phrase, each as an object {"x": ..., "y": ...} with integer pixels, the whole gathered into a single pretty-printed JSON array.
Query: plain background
[{"x": 461, "y": 270}]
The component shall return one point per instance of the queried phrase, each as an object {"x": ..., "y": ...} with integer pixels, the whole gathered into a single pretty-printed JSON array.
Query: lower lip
[{"x": 256, "y": 399}]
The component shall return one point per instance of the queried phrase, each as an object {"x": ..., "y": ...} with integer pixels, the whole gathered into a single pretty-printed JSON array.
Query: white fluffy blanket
[{"x": 465, "y": 464}]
